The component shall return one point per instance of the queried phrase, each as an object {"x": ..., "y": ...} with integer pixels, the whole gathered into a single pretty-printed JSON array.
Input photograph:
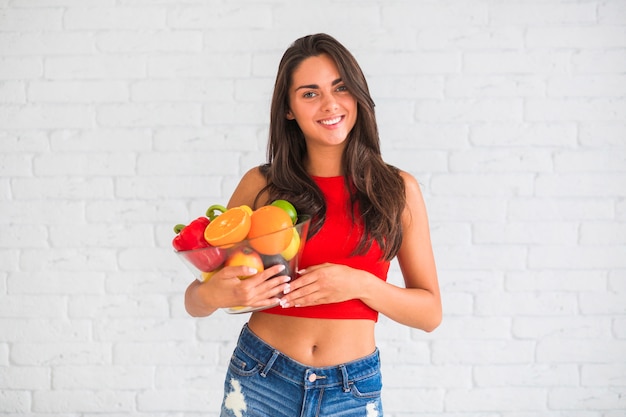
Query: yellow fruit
[
  {"x": 294, "y": 246},
  {"x": 247, "y": 209},
  {"x": 207, "y": 275}
]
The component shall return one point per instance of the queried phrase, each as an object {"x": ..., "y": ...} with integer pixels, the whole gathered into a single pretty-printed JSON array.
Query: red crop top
[{"x": 334, "y": 243}]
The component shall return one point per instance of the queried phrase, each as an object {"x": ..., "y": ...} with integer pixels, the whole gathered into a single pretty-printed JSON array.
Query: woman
[{"x": 315, "y": 354}]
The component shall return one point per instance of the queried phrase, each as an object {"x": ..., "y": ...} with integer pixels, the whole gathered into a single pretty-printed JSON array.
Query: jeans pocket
[
  {"x": 243, "y": 364},
  {"x": 369, "y": 387}
]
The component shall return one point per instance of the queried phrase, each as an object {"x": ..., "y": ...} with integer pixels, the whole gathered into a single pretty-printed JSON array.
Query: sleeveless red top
[{"x": 334, "y": 243}]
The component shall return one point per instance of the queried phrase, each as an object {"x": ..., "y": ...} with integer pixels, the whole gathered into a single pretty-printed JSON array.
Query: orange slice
[
  {"x": 271, "y": 230},
  {"x": 230, "y": 227}
]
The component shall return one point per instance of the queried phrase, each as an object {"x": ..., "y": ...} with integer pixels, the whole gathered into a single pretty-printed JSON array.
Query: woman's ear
[{"x": 289, "y": 115}]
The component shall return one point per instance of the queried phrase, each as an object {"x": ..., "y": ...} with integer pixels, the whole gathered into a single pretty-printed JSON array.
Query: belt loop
[
  {"x": 344, "y": 375},
  {"x": 269, "y": 364}
]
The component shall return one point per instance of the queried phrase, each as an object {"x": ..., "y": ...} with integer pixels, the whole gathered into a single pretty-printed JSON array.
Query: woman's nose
[{"x": 329, "y": 103}]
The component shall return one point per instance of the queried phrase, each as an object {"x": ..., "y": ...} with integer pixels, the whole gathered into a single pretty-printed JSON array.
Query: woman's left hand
[{"x": 323, "y": 284}]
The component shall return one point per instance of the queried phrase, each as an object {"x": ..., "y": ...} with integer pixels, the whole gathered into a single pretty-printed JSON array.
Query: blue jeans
[{"x": 263, "y": 382}]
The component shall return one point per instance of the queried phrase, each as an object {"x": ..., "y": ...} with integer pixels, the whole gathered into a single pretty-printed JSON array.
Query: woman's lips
[{"x": 331, "y": 121}]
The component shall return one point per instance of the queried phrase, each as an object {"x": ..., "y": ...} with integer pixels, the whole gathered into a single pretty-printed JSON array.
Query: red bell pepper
[
  {"x": 191, "y": 236},
  {"x": 190, "y": 243}
]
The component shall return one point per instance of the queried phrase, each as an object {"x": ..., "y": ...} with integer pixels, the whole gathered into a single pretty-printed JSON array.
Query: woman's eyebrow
[{"x": 315, "y": 86}]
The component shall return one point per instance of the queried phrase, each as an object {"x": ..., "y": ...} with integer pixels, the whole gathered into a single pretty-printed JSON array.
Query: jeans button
[{"x": 312, "y": 377}]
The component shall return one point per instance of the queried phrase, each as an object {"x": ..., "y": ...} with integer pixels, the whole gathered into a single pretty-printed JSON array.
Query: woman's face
[{"x": 320, "y": 102}]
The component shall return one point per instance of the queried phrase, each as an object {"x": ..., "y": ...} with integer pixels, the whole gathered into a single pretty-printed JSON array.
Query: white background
[{"x": 121, "y": 118}]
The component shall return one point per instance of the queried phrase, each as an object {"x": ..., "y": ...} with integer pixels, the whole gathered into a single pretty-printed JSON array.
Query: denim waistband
[{"x": 272, "y": 360}]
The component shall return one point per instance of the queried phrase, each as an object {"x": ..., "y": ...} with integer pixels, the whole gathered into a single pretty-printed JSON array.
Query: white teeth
[{"x": 331, "y": 121}]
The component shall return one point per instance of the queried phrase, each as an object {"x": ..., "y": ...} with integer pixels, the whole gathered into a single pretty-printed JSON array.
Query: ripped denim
[{"x": 262, "y": 382}]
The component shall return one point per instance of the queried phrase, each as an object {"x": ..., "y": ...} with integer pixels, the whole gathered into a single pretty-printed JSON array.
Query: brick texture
[{"x": 121, "y": 118}]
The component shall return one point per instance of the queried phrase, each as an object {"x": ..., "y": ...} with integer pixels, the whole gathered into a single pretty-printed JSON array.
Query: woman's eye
[
  {"x": 308, "y": 94},
  {"x": 342, "y": 88}
]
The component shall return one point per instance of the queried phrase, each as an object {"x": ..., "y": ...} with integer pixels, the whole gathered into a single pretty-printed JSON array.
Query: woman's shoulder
[
  {"x": 407, "y": 177},
  {"x": 249, "y": 187},
  {"x": 255, "y": 175},
  {"x": 412, "y": 187},
  {"x": 415, "y": 207}
]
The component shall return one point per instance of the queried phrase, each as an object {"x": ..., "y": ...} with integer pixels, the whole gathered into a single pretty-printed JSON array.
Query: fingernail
[
  {"x": 281, "y": 267},
  {"x": 284, "y": 303},
  {"x": 287, "y": 289},
  {"x": 252, "y": 271}
]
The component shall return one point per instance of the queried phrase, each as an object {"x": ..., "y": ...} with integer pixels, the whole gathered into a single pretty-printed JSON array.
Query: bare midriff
[{"x": 315, "y": 342}]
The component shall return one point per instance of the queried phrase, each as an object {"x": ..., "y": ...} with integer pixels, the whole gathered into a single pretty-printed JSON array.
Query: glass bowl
[{"x": 284, "y": 246}]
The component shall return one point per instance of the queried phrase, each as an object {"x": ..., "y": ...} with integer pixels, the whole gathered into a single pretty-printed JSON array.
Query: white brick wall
[{"x": 121, "y": 118}]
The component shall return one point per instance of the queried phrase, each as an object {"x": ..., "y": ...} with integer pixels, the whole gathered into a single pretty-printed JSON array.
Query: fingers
[
  {"x": 261, "y": 289},
  {"x": 270, "y": 273},
  {"x": 248, "y": 274},
  {"x": 301, "y": 293},
  {"x": 319, "y": 284}
]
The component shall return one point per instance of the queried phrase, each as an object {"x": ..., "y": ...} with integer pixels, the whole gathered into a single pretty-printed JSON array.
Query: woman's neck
[{"x": 324, "y": 164}]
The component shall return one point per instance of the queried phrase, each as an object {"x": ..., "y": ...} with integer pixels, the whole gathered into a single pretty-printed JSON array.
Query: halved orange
[
  {"x": 230, "y": 227},
  {"x": 271, "y": 230}
]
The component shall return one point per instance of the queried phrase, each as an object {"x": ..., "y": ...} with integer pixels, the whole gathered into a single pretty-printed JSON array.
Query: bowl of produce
[{"x": 239, "y": 236}]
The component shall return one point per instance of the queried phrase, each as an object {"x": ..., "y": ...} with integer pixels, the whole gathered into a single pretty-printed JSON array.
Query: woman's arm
[
  {"x": 224, "y": 288},
  {"x": 418, "y": 305}
]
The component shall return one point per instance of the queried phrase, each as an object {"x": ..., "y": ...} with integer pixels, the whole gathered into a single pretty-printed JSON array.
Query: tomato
[{"x": 288, "y": 207}]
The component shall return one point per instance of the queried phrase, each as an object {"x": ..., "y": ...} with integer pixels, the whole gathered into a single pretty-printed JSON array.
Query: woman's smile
[
  {"x": 320, "y": 102},
  {"x": 331, "y": 122}
]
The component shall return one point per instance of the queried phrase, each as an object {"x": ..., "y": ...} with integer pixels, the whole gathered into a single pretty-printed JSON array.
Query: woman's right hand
[{"x": 225, "y": 289}]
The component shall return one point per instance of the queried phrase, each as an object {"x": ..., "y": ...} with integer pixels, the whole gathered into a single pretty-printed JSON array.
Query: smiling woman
[
  {"x": 316, "y": 350},
  {"x": 321, "y": 103}
]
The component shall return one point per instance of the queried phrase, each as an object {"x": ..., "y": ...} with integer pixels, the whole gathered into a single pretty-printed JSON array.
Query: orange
[
  {"x": 270, "y": 230},
  {"x": 230, "y": 227}
]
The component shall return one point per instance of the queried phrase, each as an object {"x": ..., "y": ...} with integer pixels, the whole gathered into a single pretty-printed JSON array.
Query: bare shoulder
[
  {"x": 415, "y": 210},
  {"x": 251, "y": 183},
  {"x": 254, "y": 176},
  {"x": 411, "y": 185}
]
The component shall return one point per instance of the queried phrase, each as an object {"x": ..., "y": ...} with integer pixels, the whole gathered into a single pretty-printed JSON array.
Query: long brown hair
[{"x": 376, "y": 188}]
